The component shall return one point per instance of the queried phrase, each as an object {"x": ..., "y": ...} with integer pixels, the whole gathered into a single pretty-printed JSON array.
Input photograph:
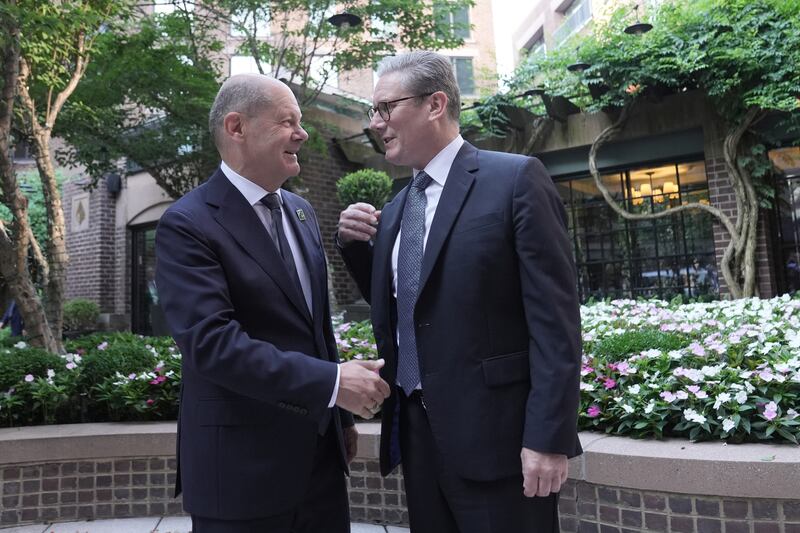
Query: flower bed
[
  {"x": 723, "y": 370},
  {"x": 651, "y": 369}
]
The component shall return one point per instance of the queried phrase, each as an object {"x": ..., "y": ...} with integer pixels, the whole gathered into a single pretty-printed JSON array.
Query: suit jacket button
[
  {"x": 303, "y": 411},
  {"x": 282, "y": 405}
]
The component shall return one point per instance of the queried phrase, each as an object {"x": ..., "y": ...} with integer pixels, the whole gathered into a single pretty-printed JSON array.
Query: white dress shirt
[
  {"x": 253, "y": 193},
  {"x": 438, "y": 168}
]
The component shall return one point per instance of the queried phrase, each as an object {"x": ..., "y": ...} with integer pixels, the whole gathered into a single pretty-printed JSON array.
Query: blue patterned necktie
[{"x": 409, "y": 266}]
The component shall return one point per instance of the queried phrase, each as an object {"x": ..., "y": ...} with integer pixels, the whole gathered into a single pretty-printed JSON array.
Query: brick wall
[
  {"x": 722, "y": 196},
  {"x": 589, "y": 508},
  {"x": 91, "y": 273},
  {"x": 143, "y": 486},
  {"x": 318, "y": 177}
]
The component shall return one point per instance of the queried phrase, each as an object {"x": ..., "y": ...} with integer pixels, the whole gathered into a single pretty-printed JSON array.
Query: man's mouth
[{"x": 386, "y": 140}]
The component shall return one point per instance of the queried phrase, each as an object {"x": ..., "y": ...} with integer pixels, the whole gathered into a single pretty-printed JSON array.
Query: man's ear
[
  {"x": 233, "y": 125},
  {"x": 438, "y": 105}
]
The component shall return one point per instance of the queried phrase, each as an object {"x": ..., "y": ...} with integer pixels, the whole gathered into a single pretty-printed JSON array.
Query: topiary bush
[
  {"x": 80, "y": 315},
  {"x": 366, "y": 185}
]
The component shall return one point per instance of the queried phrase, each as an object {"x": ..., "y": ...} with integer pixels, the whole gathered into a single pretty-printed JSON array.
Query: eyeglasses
[{"x": 383, "y": 107}]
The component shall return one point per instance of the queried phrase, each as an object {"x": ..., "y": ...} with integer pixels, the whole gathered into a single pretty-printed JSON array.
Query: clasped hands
[{"x": 361, "y": 389}]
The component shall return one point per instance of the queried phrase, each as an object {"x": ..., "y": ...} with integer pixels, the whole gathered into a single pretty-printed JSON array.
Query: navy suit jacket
[
  {"x": 258, "y": 368},
  {"x": 497, "y": 316}
]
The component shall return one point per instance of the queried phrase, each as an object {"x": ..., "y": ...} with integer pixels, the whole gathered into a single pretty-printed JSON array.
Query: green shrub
[
  {"x": 106, "y": 361},
  {"x": 367, "y": 185},
  {"x": 80, "y": 315},
  {"x": 635, "y": 341},
  {"x": 16, "y": 363}
]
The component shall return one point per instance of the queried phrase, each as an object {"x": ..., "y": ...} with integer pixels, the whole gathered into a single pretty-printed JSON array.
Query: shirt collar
[
  {"x": 252, "y": 192},
  {"x": 439, "y": 167}
]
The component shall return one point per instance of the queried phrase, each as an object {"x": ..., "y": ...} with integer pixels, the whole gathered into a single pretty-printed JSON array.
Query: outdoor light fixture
[
  {"x": 578, "y": 66},
  {"x": 638, "y": 27},
  {"x": 345, "y": 20}
]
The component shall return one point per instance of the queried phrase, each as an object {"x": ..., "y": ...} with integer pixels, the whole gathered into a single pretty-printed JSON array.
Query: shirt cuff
[{"x": 335, "y": 388}]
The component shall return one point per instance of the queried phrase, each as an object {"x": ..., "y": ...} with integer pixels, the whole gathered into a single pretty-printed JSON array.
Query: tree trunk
[
  {"x": 15, "y": 240},
  {"x": 738, "y": 261}
]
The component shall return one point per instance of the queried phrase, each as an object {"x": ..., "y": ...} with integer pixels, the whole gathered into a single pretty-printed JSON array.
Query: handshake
[{"x": 361, "y": 389}]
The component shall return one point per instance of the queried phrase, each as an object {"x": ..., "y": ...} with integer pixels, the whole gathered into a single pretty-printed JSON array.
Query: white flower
[
  {"x": 51, "y": 373},
  {"x": 586, "y": 386},
  {"x": 682, "y": 394},
  {"x": 727, "y": 425},
  {"x": 634, "y": 389},
  {"x": 21, "y": 345},
  {"x": 649, "y": 408},
  {"x": 627, "y": 408},
  {"x": 693, "y": 416},
  {"x": 741, "y": 397},
  {"x": 724, "y": 397}
]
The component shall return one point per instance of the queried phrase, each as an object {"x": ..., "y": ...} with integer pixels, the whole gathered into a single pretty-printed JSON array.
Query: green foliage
[
  {"x": 16, "y": 363},
  {"x": 635, "y": 341},
  {"x": 164, "y": 67},
  {"x": 104, "y": 377},
  {"x": 366, "y": 185},
  {"x": 355, "y": 340},
  {"x": 31, "y": 188},
  {"x": 107, "y": 360},
  {"x": 80, "y": 315}
]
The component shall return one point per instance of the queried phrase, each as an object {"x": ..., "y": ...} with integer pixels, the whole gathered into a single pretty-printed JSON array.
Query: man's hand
[
  {"x": 357, "y": 223},
  {"x": 351, "y": 443},
  {"x": 542, "y": 473},
  {"x": 361, "y": 389}
]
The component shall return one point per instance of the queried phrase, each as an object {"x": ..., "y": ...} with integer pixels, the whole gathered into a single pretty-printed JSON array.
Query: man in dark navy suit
[
  {"x": 475, "y": 309},
  {"x": 263, "y": 442}
]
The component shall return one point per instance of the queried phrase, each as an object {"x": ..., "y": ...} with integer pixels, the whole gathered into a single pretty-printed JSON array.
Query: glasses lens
[
  {"x": 383, "y": 109},
  {"x": 371, "y": 112}
]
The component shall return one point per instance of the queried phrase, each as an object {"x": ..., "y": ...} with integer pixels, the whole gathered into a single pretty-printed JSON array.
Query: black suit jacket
[
  {"x": 258, "y": 368},
  {"x": 497, "y": 316}
]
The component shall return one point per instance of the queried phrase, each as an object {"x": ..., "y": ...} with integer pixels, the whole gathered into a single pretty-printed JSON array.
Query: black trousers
[
  {"x": 440, "y": 501},
  {"x": 325, "y": 507}
]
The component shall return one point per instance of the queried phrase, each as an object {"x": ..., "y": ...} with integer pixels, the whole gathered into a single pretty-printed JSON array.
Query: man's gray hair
[
  {"x": 425, "y": 72},
  {"x": 241, "y": 94}
]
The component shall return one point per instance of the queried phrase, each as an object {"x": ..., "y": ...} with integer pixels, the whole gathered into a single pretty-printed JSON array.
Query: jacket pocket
[
  {"x": 478, "y": 222},
  {"x": 506, "y": 368}
]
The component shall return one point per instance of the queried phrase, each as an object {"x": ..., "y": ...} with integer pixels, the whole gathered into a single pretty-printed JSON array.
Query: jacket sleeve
[
  {"x": 552, "y": 311},
  {"x": 357, "y": 257},
  {"x": 194, "y": 294}
]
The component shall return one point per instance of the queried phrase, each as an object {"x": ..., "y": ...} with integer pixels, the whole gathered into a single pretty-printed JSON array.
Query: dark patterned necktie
[
  {"x": 279, "y": 237},
  {"x": 409, "y": 265}
]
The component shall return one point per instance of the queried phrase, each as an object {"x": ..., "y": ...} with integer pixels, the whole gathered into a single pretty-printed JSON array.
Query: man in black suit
[
  {"x": 262, "y": 443},
  {"x": 475, "y": 309}
]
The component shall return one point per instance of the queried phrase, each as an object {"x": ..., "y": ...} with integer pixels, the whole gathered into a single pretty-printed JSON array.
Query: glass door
[{"x": 146, "y": 315}]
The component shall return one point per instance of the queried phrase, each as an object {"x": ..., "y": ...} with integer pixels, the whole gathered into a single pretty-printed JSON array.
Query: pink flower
[
  {"x": 668, "y": 396},
  {"x": 593, "y": 411},
  {"x": 586, "y": 369},
  {"x": 697, "y": 349},
  {"x": 150, "y": 402},
  {"x": 102, "y": 346},
  {"x": 693, "y": 389},
  {"x": 609, "y": 383},
  {"x": 71, "y": 366},
  {"x": 29, "y": 378},
  {"x": 771, "y": 411}
]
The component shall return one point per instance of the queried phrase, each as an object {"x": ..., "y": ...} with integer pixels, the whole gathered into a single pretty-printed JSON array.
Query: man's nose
[
  {"x": 376, "y": 122},
  {"x": 302, "y": 134}
]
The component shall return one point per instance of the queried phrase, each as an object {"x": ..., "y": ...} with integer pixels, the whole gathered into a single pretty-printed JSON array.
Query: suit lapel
[
  {"x": 391, "y": 216},
  {"x": 459, "y": 182},
  {"x": 306, "y": 236},
  {"x": 240, "y": 220}
]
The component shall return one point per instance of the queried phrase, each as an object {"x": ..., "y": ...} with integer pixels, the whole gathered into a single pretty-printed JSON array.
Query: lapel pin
[{"x": 301, "y": 215}]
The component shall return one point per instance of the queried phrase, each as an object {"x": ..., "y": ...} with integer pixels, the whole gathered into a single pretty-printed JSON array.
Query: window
[
  {"x": 246, "y": 64},
  {"x": 242, "y": 24},
  {"x": 456, "y": 18},
  {"x": 321, "y": 70},
  {"x": 21, "y": 151},
  {"x": 464, "y": 76},
  {"x": 536, "y": 47},
  {"x": 662, "y": 258},
  {"x": 165, "y": 7},
  {"x": 575, "y": 18},
  {"x": 787, "y": 215}
]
